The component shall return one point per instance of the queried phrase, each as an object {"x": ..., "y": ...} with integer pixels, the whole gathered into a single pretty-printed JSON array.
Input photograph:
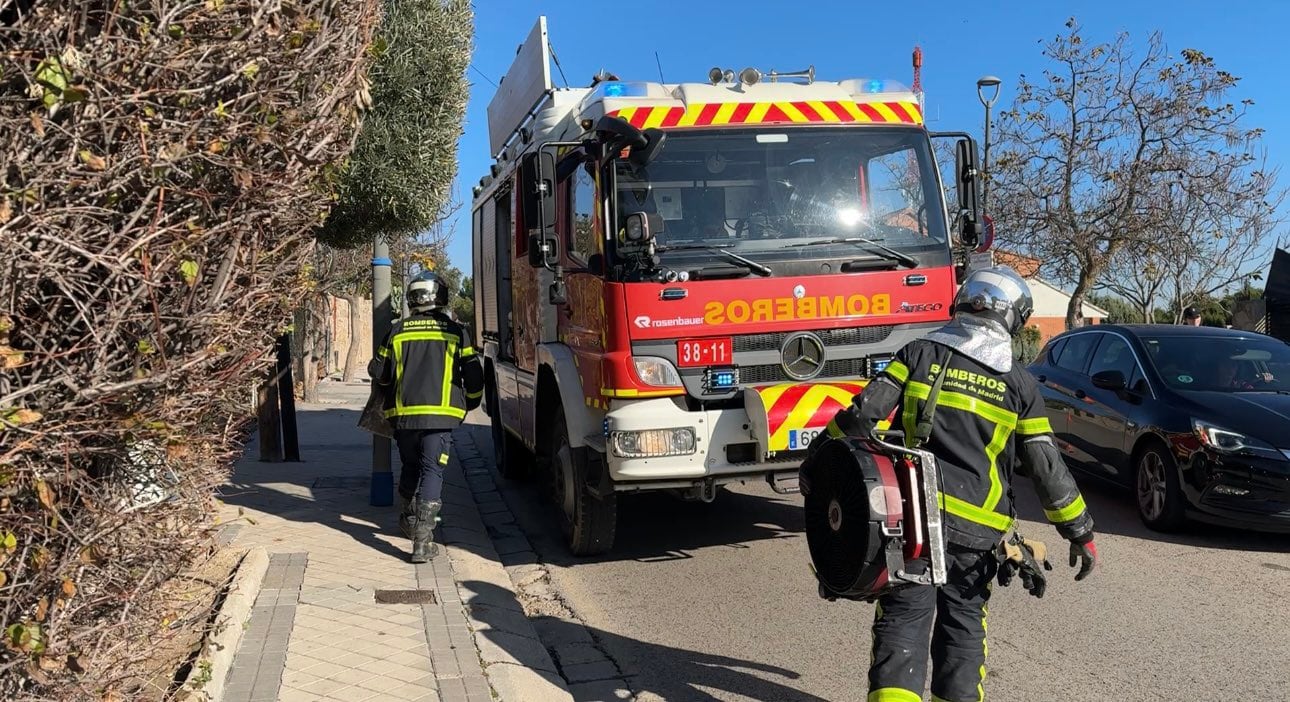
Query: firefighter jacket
[
  {"x": 984, "y": 423},
  {"x": 433, "y": 371}
]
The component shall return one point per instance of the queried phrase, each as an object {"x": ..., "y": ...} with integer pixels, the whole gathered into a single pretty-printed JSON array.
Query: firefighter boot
[
  {"x": 423, "y": 546},
  {"x": 407, "y": 515}
]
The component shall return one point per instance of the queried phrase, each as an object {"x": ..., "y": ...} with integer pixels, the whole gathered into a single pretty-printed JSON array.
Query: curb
[
  {"x": 582, "y": 664},
  {"x": 516, "y": 663},
  {"x": 216, "y": 657}
]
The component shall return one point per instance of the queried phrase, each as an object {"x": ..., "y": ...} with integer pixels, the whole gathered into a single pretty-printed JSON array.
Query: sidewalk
[{"x": 319, "y": 629}]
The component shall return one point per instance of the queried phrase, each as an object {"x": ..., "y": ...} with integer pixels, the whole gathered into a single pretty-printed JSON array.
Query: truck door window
[{"x": 582, "y": 232}]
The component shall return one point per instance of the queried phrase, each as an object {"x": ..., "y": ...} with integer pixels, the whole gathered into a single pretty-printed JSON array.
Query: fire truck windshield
[{"x": 786, "y": 194}]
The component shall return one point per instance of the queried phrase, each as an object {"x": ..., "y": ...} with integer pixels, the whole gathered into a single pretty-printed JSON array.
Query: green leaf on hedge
[{"x": 188, "y": 269}]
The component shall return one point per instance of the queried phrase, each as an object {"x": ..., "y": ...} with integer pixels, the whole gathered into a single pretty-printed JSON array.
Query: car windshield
[
  {"x": 1221, "y": 363},
  {"x": 775, "y": 193}
]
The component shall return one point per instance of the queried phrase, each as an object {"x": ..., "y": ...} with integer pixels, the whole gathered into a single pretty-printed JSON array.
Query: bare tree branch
[{"x": 1087, "y": 154}]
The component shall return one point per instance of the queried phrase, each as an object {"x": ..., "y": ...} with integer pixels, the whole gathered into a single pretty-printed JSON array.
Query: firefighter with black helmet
[
  {"x": 430, "y": 366},
  {"x": 988, "y": 415}
]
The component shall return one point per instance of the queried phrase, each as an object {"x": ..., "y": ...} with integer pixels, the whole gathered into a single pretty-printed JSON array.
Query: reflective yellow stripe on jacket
[
  {"x": 444, "y": 408},
  {"x": 1005, "y": 422}
]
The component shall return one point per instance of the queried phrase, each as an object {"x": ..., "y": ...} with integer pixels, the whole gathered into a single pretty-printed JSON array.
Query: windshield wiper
[
  {"x": 869, "y": 245},
  {"x": 719, "y": 249}
]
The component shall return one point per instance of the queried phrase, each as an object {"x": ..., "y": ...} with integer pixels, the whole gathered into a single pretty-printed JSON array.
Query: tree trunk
[
  {"x": 1074, "y": 310},
  {"x": 308, "y": 364},
  {"x": 354, "y": 356},
  {"x": 1144, "y": 313}
]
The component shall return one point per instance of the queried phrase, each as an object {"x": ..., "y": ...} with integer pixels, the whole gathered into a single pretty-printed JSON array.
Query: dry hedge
[{"x": 163, "y": 164}]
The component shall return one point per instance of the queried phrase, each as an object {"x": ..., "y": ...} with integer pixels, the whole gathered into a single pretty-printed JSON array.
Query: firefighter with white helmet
[
  {"x": 988, "y": 415},
  {"x": 435, "y": 379}
]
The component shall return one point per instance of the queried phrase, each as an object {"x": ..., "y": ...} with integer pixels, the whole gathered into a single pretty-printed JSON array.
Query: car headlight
[
  {"x": 658, "y": 372},
  {"x": 1228, "y": 441}
]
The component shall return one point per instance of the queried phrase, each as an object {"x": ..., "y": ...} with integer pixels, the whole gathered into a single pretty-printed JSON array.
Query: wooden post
[
  {"x": 270, "y": 422},
  {"x": 287, "y": 396}
]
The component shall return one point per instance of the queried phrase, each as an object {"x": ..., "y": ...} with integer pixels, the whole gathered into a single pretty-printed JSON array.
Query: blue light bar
[
  {"x": 619, "y": 89},
  {"x": 875, "y": 86}
]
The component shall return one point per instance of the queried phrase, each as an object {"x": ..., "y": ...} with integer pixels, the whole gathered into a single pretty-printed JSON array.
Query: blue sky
[{"x": 960, "y": 41}]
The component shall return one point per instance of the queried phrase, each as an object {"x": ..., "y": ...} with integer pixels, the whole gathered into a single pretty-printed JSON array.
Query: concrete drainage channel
[{"x": 591, "y": 674}]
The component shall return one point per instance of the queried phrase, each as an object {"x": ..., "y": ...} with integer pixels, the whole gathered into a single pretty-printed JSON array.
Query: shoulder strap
[{"x": 926, "y": 412}]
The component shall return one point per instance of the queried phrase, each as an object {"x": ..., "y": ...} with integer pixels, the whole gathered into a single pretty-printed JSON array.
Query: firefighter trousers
[
  {"x": 424, "y": 454},
  {"x": 952, "y": 617}
]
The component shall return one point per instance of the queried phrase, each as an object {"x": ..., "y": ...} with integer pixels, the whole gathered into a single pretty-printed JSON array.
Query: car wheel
[
  {"x": 588, "y": 522},
  {"x": 1156, "y": 489}
]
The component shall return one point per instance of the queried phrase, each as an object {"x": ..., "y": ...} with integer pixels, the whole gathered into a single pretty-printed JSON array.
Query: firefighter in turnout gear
[
  {"x": 435, "y": 379},
  {"x": 988, "y": 416}
]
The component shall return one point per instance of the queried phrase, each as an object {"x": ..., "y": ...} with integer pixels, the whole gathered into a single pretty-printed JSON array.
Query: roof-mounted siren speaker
[
  {"x": 494, "y": 169},
  {"x": 750, "y": 76},
  {"x": 526, "y": 135},
  {"x": 716, "y": 75}
]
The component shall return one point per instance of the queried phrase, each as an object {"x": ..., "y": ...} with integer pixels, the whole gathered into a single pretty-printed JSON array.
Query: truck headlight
[
  {"x": 655, "y": 371},
  {"x": 652, "y": 443}
]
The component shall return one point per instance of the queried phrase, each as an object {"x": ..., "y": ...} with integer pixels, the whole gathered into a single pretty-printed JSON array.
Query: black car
[{"x": 1196, "y": 420}]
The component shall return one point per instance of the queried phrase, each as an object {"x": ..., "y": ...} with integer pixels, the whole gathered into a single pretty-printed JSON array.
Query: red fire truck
[{"x": 678, "y": 285}]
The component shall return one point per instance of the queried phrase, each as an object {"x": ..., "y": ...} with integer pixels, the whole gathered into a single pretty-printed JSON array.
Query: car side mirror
[{"x": 1112, "y": 380}]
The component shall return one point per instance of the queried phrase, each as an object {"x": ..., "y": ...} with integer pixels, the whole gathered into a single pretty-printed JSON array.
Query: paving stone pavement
[{"x": 316, "y": 631}]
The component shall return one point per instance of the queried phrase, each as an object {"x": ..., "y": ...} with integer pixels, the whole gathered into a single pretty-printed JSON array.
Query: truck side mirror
[
  {"x": 965, "y": 170},
  {"x": 645, "y": 156},
  {"x": 543, "y": 249},
  {"x": 618, "y": 134}
]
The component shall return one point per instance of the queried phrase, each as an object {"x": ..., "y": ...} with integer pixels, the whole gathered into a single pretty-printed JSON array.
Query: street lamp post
[{"x": 981, "y": 84}]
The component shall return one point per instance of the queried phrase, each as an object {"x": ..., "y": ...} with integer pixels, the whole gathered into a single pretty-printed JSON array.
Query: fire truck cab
[{"x": 678, "y": 285}]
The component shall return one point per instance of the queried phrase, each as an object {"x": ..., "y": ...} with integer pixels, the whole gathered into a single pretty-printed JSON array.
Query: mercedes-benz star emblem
[{"x": 803, "y": 356}]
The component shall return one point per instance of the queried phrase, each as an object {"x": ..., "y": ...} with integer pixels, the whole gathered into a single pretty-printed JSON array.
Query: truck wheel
[
  {"x": 588, "y": 522},
  {"x": 509, "y": 454}
]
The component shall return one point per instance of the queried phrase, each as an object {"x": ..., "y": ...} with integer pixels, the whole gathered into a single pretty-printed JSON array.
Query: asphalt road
[{"x": 715, "y": 602}]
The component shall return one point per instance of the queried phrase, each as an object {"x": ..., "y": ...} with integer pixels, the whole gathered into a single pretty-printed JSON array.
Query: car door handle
[{"x": 1081, "y": 394}]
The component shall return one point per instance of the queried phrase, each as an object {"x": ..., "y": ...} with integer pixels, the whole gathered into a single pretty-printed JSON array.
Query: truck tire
[
  {"x": 588, "y": 522},
  {"x": 510, "y": 456}
]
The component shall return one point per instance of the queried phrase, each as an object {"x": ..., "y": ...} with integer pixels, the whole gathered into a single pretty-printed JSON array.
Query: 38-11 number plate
[{"x": 704, "y": 352}]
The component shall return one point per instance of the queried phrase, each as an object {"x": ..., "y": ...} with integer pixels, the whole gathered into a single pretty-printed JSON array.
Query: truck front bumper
[{"x": 764, "y": 437}]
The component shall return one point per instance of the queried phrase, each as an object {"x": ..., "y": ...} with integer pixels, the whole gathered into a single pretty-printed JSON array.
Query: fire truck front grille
[
  {"x": 774, "y": 373},
  {"x": 830, "y": 337}
]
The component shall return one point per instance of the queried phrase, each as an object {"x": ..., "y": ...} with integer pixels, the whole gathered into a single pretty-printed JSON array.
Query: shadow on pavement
[
  {"x": 1114, "y": 512},
  {"x": 330, "y": 483},
  {"x": 689, "y": 675},
  {"x": 655, "y": 526}
]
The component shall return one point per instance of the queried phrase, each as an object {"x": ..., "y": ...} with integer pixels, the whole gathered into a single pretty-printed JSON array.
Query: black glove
[
  {"x": 1086, "y": 556},
  {"x": 1024, "y": 556}
]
